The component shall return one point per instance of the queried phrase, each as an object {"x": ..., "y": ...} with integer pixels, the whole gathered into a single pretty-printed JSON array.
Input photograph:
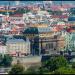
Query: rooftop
[
  {"x": 14, "y": 41},
  {"x": 47, "y": 29},
  {"x": 17, "y": 15},
  {"x": 31, "y": 30}
]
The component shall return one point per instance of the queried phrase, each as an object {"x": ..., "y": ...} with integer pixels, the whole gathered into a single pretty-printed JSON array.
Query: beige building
[
  {"x": 39, "y": 25},
  {"x": 18, "y": 47},
  {"x": 61, "y": 43},
  {"x": 3, "y": 49}
]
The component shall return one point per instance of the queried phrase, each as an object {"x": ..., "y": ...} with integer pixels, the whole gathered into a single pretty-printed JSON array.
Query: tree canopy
[
  {"x": 55, "y": 63},
  {"x": 64, "y": 70},
  {"x": 17, "y": 69},
  {"x": 21, "y": 11},
  {"x": 32, "y": 70},
  {"x": 7, "y": 60}
]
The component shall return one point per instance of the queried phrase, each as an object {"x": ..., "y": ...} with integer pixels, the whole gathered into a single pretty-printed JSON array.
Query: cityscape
[{"x": 37, "y": 37}]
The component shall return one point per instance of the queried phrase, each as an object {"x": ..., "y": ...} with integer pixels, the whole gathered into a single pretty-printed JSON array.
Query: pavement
[{"x": 27, "y": 59}]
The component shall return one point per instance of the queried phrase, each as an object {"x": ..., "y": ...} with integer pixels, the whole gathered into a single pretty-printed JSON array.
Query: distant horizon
[{"x": 28, "y": 2}]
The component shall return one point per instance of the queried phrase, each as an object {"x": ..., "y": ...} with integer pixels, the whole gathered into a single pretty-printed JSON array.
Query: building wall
[
  {"x": 46, "y": 34},
  {"x": 3, "y": 49},
  {"x": 19, "y": 47},
  {"x": 61, "y": 43},
  {"x": 47, "y": 45},
  {"x": 71, "y": 41},
  {"x": 39, "y": 25},
  {"x": 16, "y": 20}
]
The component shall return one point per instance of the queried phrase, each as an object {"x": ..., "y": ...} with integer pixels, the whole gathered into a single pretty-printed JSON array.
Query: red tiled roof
[
  {"x": 20, "y": 25},
  {"x": 57, "y": 7},
  {"x": 17, "y": 15},
  {"x": 63, "y": 16}
]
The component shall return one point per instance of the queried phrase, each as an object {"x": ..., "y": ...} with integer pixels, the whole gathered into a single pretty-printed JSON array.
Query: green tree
[
  {"x": 43, "y": 70},
  {"x": 73, "y": 65},
  {"x": 72, "y": 11},
  {"x": 7, "y": 60},
  {"x": 1, "y": 59},
  {"x": 64, "y": 70},
  {"x": 32, "y": 70},
  {"x": 21, "y": 11},
  {"x": 50, "y": 11},
  {"x": 55, "y": 62},
  {"x": 17, "y": 69}
]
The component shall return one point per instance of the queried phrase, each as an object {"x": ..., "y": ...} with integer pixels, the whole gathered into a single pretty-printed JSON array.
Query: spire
[{"x": 17, "y": 2}]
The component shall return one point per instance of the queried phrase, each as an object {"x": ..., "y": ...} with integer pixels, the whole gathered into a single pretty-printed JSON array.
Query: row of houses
[
  {"x": 46, "y": 32},
  {"x": 15, "y": 47}
]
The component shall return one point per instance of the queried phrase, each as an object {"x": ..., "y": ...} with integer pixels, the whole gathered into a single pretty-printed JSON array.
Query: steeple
[{"x": 17, "y": 2}]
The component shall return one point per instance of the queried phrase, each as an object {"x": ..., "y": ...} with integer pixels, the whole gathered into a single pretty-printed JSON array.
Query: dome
[{"x": 31, "y": 30}]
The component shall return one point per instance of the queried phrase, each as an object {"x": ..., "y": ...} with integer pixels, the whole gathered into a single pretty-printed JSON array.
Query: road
[{"x": 27, "y": 59}]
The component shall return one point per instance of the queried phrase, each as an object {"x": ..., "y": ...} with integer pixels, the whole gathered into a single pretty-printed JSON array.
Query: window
[{"x": 49, "y": 46}]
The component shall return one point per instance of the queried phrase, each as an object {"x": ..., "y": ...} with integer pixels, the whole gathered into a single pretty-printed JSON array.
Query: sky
[{"x": 26, "y": 2}]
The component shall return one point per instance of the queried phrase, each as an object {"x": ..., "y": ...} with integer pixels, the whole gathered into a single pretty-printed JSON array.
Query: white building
[
  {"x": 3, "y": 49},
  {"x": 18, "y": 47},
  {"x": 16, "y": 19}
]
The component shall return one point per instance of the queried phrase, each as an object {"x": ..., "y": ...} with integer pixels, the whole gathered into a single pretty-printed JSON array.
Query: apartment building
[
  {"x": 3, "y": 49},
  {"x": 18, "y": 47}
]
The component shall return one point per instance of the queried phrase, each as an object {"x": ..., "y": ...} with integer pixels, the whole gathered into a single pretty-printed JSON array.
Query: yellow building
[
  {"x": 39, "y": 25},
  {"x": 61, "y": 43},
  {"x": 42, "y": 32},
  {"x": 45, "y": 32},
  {"x": 20, "y": 46},
  {"x": 45, "y": 35}
]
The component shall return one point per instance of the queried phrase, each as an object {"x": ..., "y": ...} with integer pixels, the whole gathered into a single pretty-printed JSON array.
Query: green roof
[{"x": 31, "y": 30}]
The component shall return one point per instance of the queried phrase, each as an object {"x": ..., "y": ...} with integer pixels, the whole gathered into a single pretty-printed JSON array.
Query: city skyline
[{"x": 33, "y": 2}]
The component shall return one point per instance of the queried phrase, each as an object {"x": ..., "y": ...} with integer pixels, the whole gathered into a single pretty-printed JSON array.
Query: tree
[
  {"x": 55, "y": 62},
  {"x": 26, "y": 11},
  {"x": 7, "y": 60},
  {"x": 17, "y": 69},
  {"x": 73, "y": 65},
  {"x": 64, "y": 70},
  {"x": 32, "y": 70},
  {"x": 21, "y": 11},
  {"x": 43, "y": 70},
  {"x": 72, "y": 10},
  {"x": 50, "y": 11},
  {"x": 1, "y": 59}
]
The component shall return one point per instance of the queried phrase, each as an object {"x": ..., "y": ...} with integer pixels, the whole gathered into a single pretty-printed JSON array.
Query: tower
[{"x": 17, "y": 2}]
